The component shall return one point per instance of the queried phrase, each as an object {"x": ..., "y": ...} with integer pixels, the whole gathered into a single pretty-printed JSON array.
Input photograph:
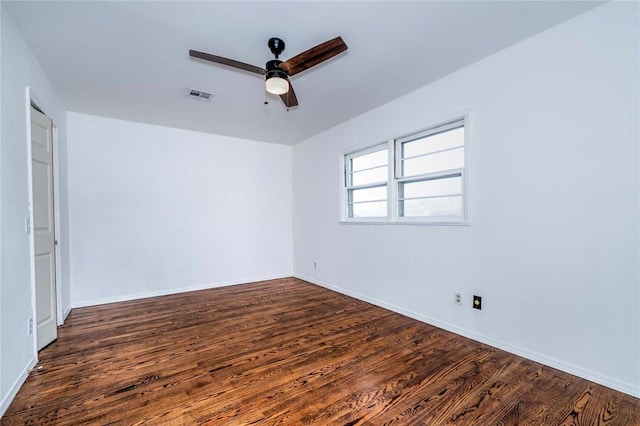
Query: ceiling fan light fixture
[
  {"x": 277, "y": 83},
  {"x": 277, "y": 72}
]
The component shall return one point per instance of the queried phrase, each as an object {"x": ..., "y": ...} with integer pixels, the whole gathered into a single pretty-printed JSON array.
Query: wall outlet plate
[
  {"x": 477, "y": 302},
  {"x": 458, "y": 298}
]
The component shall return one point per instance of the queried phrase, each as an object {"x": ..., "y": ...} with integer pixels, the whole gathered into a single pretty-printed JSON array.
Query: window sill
[{"x": 402, "y": 222}]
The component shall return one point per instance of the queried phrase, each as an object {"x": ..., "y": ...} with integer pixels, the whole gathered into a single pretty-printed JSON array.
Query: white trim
[
  {"x": 16, "y": 385},
  {"x": 380, "y": 200},
  {"x": 343, "y": 187},
  {"x": 66, "y": 313},
  {"x": 392, "y": 190},
  {"x": 32, "y": 248},
  {"x": 411, "y": 221},
  {"x": 368, "y": 186},
  {"x": 429, "y": 197},
  {"x": 468, "y": 147},
  {"x": 567, "y": 367},
  {"x": 136, "y": 296},
  {"x": 443, "y": 174},
  {"x": 56, "y": 226}
]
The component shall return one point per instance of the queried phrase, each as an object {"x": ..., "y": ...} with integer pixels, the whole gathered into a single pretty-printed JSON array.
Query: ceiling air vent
[{"x": 200, "y": 95}]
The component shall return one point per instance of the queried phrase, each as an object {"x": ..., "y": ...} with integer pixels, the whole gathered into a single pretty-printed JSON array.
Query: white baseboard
[
  {"x": 575, "y": 370},
  {"x": 15, "y": 387},
  {"x": 66, "y": 313},
  {"x": 136, "y": 296}
]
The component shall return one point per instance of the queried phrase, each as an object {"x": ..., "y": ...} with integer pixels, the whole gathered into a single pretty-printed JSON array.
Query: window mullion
[
  {"x": 368, "y": 168},
  {"x": 432, "y": 152},
  {"x": 392, "y": 186},
  {"x": 433, "y": 176},
  {"x": 368, "y": 201},
  {"x": 456, "y": 194},
  {"x": 367, "y": 186}
]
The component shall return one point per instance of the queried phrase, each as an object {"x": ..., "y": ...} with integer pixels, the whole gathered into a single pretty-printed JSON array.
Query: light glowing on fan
[{"x": 277, "y": 85}]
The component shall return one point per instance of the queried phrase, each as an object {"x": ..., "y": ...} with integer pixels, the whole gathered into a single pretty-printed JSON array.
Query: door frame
[{"x": 30, "y": 97}]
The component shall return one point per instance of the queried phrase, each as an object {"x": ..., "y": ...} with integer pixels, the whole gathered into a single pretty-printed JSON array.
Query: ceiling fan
[{"x": 277, "y": 72}]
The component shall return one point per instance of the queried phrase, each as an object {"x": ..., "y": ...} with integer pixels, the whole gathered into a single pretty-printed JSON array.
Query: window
[
  {"x": 430, "y": 173},
  {"x": 366, "y": 182},
  {"x": 417, "y": 178}
]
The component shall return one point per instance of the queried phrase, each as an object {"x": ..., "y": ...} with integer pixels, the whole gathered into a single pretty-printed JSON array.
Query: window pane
[
  {"x": 437, "y": 142},
  {"x": 432, "y": 207},
  {"x": 369, "y": 194},
  {"x": 378, "y": 209},
  {"x": 378, "y": 158},
  {"x": 365, "y": 177},
  {"x": 447, "y": 160},
  {"x": 431, "y": 187}
]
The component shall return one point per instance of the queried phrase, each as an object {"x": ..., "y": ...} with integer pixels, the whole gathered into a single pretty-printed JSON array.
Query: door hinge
[{"x": 27, "y": 224}]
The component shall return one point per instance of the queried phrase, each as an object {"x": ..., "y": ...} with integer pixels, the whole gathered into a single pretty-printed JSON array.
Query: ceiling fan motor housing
[{"x": 273, "y": 70}]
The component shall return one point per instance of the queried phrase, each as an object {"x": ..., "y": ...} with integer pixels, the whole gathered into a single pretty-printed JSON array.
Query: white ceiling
[{"x": 129, "y": 60}]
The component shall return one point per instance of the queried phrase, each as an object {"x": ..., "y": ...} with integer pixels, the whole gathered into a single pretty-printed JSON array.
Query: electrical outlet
[
  {"x": 315, "y": 265},
  {"x": 477, "y": 302},
  {"x": 30, "y": 326},
  {"x": 458, "y": 298}
]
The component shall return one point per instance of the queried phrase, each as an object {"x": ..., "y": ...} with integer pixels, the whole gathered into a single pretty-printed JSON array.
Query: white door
[{"x": 43, "y": 227}]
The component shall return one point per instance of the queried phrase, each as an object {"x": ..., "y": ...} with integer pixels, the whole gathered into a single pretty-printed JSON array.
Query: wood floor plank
[{"x": 285, "y": 352}]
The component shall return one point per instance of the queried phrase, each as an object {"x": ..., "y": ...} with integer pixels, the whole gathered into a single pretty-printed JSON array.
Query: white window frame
[
  {"x": 347, "y": 184},
  {"x": 394, "y": 181}
]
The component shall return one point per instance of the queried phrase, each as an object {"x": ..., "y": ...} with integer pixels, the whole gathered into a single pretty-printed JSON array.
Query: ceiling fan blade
[
  {"x": 289, "y": 99},
  {"x": 226, "y": 61},
  {"x": 314, "y": 56}
]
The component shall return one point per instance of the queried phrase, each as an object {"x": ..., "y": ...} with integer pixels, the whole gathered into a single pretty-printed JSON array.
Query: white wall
[
  {"x": 553, "y": 245},
  {"x": 19, "y": 70},
  {"x": 157, "y": 210}
]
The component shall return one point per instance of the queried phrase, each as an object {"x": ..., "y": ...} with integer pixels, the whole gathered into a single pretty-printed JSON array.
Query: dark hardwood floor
[{"x": 291, "y": 353}]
